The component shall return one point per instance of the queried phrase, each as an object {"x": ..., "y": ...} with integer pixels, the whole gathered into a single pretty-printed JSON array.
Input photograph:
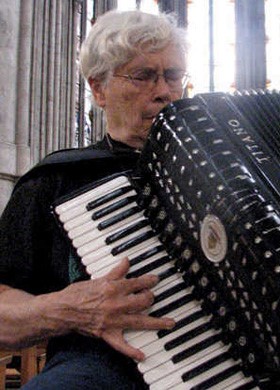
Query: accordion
[{"x": 205, "y": 205}]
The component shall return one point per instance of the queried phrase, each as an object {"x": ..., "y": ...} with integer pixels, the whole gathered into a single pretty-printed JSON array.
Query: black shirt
[{"x": 34, "y": 254}]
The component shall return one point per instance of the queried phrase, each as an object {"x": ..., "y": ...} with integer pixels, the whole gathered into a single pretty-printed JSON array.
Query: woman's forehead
[{"x": 169, "y": 56}]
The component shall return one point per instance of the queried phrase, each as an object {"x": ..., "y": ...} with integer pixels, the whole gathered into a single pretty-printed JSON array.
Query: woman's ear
[{"x": 97, "y": 89}]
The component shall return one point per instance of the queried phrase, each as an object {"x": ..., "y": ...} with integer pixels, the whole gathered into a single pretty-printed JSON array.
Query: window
[
  {"x": 211, "y": 45},
  {"x": 150, "y": 6},
  {"x": 83, "y": 130},
  {"x": 272, "y": 27}
]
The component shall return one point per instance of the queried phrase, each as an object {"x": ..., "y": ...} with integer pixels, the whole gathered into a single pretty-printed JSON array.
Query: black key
[
  {"x": 181, "y": 323},
  {"x": 132, "y": 242},
  {"x": 188, "y": 336},
  {"x": 113, "y": 207},
  {"x": 215, "y": 379},
  {"x": 163, "y": 275},
  {"x": 166, "y": 274},
  {"x": 150, "y": 267},
  {"x": 205, "y": 366},
  {"x": 172, "y": 306},
  {"x": 168, "y": 293},
  {"x": 145, "y": 255},
  {"x": 118, "y": 218},
  {"x": 196, "y": 348},
  {"x": 247, "y": 386},
  {"x": 106, "y": 198},
  {"x": 135, "y": 227}
]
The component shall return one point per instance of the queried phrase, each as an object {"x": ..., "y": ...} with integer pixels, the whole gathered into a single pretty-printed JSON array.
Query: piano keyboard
[{"x": 105, "y": 224}]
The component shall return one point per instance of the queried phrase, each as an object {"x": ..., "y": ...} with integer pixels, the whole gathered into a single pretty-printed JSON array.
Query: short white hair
[{"x": 116, "y": 37}]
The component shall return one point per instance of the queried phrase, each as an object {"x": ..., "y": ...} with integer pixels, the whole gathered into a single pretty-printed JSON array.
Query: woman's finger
[
  {"x": 140, "y": 321},
  {"x": 117, "y": 341},
  {"x": 119, "y": 271}
]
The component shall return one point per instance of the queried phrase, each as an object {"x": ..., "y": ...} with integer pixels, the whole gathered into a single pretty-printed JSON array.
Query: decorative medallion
[{"x": 213, "y": 238}]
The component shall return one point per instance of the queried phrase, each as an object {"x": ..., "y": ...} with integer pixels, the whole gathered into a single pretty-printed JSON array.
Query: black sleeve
[{"x": 26, "y": 234}]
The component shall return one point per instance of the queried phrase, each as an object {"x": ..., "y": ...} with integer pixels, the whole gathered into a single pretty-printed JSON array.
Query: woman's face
[{"x": 130, "y": 108}]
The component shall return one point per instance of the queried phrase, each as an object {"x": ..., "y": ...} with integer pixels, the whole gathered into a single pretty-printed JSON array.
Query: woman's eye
[{"x": 143, "y": 76}]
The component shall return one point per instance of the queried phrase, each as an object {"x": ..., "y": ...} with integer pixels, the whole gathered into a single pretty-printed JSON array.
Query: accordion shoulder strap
[{"x": 69, "y": 158}]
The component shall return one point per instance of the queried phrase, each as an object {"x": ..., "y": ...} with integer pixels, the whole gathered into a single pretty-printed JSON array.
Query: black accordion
[{"x": 203, "y": 210}]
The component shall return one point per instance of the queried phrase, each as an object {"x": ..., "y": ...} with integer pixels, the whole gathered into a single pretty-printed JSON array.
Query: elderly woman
[{"x": 135, "y": 65}]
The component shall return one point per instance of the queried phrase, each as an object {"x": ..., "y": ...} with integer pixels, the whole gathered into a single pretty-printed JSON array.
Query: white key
[
  {"x": 81, "y": 229},
  {"x": 76, "y": 222},
  {"x": 73, "y": 213},
  {"x": 93, "y": 234}
]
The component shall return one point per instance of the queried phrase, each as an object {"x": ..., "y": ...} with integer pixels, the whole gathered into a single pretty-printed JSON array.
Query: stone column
[
  {"x": 22, "y": 108},
  {"x": 9, "y": 31},
  {"x": 250, "y": 44}
]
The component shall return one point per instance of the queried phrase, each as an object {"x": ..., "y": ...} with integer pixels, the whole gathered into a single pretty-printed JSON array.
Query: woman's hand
[{"x": 107, "y": 306}]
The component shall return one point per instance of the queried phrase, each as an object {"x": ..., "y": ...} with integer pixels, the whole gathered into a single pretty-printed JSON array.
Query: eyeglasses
[{"x": 147, "y": 78}]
